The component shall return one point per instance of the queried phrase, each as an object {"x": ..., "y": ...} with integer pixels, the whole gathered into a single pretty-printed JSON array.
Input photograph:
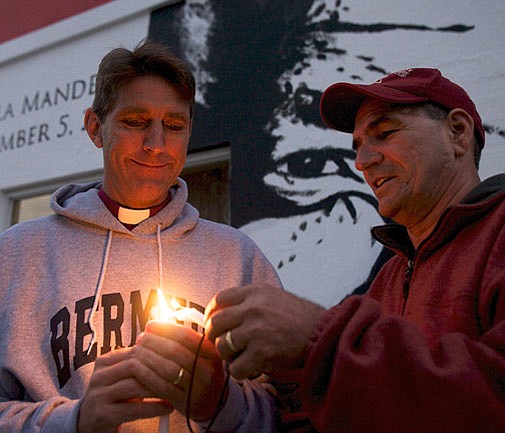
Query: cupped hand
[
  {"x": 162, "y": 351},
  {"x": 114, "y": 396}
]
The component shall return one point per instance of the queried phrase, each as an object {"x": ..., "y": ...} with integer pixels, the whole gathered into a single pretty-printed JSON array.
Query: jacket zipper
[{"x": 406, "y": 282}]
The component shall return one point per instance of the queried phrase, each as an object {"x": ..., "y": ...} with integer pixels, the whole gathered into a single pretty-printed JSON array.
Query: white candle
[
  {"x": 190, "y": 315},
  {"x": 164, "y": 315},
  {"x": 164, "y": 424},
  {"x": 171, "y": 313}
]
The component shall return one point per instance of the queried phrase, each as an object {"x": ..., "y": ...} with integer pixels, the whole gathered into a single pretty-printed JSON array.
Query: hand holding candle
[
  {"x": 113, "y": 397},
  {"x": 167, "y": 314},
  {"x": 166, "y": 349}
]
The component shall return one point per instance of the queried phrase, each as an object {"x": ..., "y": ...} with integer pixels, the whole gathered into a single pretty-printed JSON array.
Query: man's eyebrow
[
  {"x": 134, "y": 110},
  {"x": 178, "y": 115},
  {"x": 139, "y": 110},
  {"x": 374, "y": 124},
  {"x": 377, "y": 122}
]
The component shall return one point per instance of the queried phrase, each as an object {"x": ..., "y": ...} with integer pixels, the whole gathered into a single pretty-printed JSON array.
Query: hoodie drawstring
[
  {"x": 160, "y": 256},
  {"x": 98, "y": 291}
]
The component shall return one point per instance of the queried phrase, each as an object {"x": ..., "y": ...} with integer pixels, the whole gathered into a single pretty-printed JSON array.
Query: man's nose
[
  {"x": 366, "y": 156},
  {"x": 154, "y": 140}
]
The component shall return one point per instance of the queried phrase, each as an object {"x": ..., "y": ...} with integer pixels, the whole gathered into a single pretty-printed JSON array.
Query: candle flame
[
  {"x": 176, "y": 312},
  {"x": 164, "y": 311},
  {"x": 175, "y": 305}
]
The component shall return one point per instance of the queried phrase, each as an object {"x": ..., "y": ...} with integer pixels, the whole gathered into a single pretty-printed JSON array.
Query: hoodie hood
[
  {"x": 487, "y": 189},
  {"x": 477, "y": 203},
  {"x": 81, "y": 203}
]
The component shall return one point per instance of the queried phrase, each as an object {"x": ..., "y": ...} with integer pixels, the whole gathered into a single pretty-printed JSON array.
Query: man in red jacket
[{"x": 424, "y": 349}]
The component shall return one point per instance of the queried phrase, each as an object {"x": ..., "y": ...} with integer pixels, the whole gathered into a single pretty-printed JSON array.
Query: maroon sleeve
[{"x": 370, "y": 372}]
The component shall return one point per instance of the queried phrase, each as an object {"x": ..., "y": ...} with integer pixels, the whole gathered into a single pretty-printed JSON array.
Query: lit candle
[
  {"x": 171, "y": 313},
  {"x": 175, "y": 311},
  {"x": 185, "y": 314},
  {"x": 164, "y": 315},
  {"x": 164, "y": 424}
]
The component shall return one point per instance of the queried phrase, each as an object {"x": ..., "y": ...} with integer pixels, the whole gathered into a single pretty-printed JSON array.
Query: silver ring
[
  {"x": 229, "y": 342},
  {"x": 179, "y": 377}
]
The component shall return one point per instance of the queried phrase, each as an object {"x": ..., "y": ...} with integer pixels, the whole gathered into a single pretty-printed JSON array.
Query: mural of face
[
  {"x": 313, "y": 167},
  {"x": 324, "y": 250},
  {"x": 262, "y": 66}
]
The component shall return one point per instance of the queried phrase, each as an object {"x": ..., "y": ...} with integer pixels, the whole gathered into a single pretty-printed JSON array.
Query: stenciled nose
[{"x": 154, "y": 139}]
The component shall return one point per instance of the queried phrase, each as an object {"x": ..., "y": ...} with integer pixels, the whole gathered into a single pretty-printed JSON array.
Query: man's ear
[
  {"x": 191, "y": 126},
  {"x": 460, "y": 125},
  {"x": 92, "y": 125}
]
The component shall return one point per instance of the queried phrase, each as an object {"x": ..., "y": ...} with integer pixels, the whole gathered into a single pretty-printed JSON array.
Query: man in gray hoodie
[{"x": 79, "y": 287}]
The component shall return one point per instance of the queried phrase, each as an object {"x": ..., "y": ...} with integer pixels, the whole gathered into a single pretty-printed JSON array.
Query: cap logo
[{"x": 402, "y": 74}]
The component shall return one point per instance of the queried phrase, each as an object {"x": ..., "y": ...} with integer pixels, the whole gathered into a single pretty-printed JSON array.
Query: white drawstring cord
[{"x": 98, "y": 291}]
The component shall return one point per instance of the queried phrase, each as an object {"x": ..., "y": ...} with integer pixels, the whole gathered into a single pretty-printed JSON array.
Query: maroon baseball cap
[{"x": 340, "y": 102}]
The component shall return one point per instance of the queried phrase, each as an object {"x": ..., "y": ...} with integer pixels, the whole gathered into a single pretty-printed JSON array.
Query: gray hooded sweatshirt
[{"x": 77, "y": 284}]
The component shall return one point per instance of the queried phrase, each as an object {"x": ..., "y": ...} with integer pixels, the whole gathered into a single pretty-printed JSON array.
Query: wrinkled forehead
[{"x": 372, "y": 110}]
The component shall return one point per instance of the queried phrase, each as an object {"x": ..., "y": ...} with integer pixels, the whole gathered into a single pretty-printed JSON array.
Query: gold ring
[
  {"x": 179, "y": 377},
  {"x": 229, "y": 342}
]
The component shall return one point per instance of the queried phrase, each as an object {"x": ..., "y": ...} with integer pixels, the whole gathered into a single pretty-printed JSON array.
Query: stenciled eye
[
  {"x": 311, "y": 163},
  {"x": 309, "y": 176}
]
